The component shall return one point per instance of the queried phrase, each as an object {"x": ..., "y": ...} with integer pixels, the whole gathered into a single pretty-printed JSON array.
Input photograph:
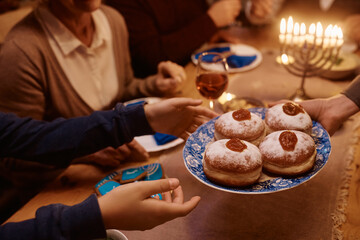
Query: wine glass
[{"x": 212, "y": 76}]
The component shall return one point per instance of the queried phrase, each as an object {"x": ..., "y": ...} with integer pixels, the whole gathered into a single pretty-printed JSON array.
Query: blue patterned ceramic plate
[{"x": 195, "y": 147}]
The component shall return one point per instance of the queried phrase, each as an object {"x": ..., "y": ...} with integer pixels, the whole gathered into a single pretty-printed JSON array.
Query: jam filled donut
[
  {"x": 240, "y": 124},
  {"x": 288, "y": 152},
  {"x": 232, "y": 162},
  {"x": 287, "y": 116}
]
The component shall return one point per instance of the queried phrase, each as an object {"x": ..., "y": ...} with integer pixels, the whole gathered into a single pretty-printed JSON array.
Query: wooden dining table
[{"x": 325, "y": 207}]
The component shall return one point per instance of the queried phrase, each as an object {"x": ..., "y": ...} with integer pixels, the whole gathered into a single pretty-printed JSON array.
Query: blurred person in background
[{"x": 173, "y": 30}]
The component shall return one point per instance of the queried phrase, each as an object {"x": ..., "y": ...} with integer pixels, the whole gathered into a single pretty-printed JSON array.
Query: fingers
[
  {"x": 134, "y": 146},
  {"x": 179, "y": 209},
  {"x": 178, "y": 195},
  {"x": 172, "y": 70},
  {"x": 203, "y": 111},
  {"x": 149, "y": 188}
]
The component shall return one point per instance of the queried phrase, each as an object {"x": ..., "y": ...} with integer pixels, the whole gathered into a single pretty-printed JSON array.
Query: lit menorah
[{"x": 307, "y": 54}]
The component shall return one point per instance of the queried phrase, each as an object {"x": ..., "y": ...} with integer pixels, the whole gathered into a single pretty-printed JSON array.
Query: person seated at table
[
  {"x": 332, "y": 112},
  {"x": 352, "y": 28},
  {"x": 66, "y": 59},
  {"x": 127, "y": 207},
  {"x": 173, "y": 30}
]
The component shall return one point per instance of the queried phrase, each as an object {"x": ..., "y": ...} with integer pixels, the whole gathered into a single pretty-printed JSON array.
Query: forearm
[
  {"x": 341, "y": 107},
  {"x": 62, "y": 140},
  {"x": 353, "y": 91},
  {"x": 57, "y": 221}
]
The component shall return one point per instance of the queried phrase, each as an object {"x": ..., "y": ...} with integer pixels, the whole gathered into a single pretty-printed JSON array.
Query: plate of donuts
[{"x": 203, "y": 137}]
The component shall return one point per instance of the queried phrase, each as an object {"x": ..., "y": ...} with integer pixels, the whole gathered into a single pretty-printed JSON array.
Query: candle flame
[
  {"x": 334, "y": 31},
  {"x": 340, "y": 34},
  {"x": 319, "y": 29},
  {"x": 302, "y": 29},
  {"x": 290, "y": 24},
  {"x": 284, "y": 59},
  {"x": 312, "y": 29},
  {"x": 282, "y": 26},
  {"x": 229, "y": 96},
  {"x": 296, "y": 29},
  {"x": 328, "y": 31}
]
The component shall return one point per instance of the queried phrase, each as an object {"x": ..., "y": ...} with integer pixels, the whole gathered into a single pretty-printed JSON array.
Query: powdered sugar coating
[
  {"x": 218, "y": 156},
  {"x": 247, "y": 130},
  {"x": 273, "y": 152},
  {"x": 276, "y": 119}
]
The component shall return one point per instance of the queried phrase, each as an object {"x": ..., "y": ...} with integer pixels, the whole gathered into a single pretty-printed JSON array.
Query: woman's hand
[
  {"x": 130, "y": 206},
  {"x": 169, "y": 77},
  {"x": 177, "y": 116},
  {"x": 224, "y": 12}
]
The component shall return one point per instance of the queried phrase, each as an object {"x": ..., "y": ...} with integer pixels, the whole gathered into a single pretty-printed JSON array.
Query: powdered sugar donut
[
  {"x": 232, "y": 162},
  {"x": 287, "y": 116},
  {"x": 240, "y": 124},
  {"x": 288, "y": 152}
]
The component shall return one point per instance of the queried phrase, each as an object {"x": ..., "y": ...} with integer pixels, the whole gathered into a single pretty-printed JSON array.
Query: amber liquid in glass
[{"x": 211, "y": 85}]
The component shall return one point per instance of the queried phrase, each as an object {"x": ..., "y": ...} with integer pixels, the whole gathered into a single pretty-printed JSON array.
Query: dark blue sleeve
[
  {"x": 65, "y": 139},
  {"x": 57, "y": 221}
]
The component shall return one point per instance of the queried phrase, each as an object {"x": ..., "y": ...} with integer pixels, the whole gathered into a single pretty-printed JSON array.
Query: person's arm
[
  {"x": 127, "y": 207},
  {"x": 64, "y": 139},
  {"x": 57, "y": 221},
  {"x": 260, "y": 12},
  {"x": 149, "y": 44}
]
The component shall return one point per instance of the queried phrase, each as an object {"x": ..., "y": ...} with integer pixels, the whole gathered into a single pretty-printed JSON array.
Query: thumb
[{"x": 149, "y": 188}]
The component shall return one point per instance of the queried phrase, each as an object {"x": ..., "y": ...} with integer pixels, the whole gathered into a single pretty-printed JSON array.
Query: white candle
[
  {"x": 289, "y": 28},
  {"x": 319, "y": 34},
  {"x": 327, "y": 36},
  {"x": 311, "y": 36},
  {"x": 296, "y": 33},
  {"x": 340, "y": 36},
  {"x": 334, "y": 33},
  {"x": 290, "y": 24},
  {"x": 282, "y": 31},
  {"x": 302, "y": 34}
]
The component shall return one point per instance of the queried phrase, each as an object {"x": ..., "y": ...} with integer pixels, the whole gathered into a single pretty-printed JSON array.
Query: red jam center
[
  {"x": 236, "y": 145},
  {"x": 241, "y": 115},
  {"x": 292, "y": 109},
  {"x": 288, "y": 140}
]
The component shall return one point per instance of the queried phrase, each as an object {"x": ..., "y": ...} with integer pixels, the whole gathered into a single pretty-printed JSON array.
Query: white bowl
[
  {"x": 115, "y": 234},
  {"x": 347, "y": 65}
]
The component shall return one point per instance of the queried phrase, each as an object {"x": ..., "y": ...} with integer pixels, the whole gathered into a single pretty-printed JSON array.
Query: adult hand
[
  {"x": 169, "y": 77},
  {"x": 177, "y": 116},
  {"x": 130, "y": 207},
  {"x": 110, "y": 157},
  {"x": 331, "y": 113},
  {"x": 261, "y": 8},
  {"x": 224, "y": 12}
]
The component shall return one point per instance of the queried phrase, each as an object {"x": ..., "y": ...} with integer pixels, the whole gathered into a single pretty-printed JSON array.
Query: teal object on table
[
  {"x": 107, "y": 187},
  {"x": 162, "y": 138},
  {"x": 235, "y": 61},
  {"x": 153, "y": 171}
]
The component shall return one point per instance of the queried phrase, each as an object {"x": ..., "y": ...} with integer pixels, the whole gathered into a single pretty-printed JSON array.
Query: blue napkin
[
  {"x": 216, "y": 49},
  {"x": 235, "y": 61},
  {"x": 162, "y": 138}
]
